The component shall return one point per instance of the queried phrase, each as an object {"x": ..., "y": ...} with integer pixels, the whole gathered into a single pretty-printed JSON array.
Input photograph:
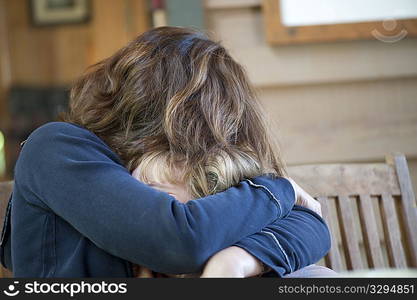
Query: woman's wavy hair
[{"x": 174, "y": 97}]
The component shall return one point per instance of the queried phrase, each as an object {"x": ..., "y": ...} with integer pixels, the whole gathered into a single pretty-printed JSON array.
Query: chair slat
[
  {"x": 395, "y": 247},
  {"x": 409, "y": 205},
  {"x": 371, "y": 238},
  {"x": 349, "y": 234},
  {"x": 334, "y": 253}
]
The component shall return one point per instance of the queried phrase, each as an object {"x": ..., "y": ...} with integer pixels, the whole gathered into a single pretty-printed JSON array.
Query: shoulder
[
  {"x": 56, "y": 142},
  {"x": 55, "y": 135},
  {"x": 55, "y": 129}
]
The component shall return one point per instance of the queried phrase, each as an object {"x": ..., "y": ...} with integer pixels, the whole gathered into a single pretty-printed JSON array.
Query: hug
[{"x": 163, "y": 166}]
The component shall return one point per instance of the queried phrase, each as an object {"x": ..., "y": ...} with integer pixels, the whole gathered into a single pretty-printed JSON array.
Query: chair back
[{"x": 370, "y": 209}]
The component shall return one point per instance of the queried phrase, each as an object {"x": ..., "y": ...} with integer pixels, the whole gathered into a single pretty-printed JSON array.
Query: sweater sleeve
[
  {"x": 289, "y": 244},
  {"x": 70, "y": 171}
]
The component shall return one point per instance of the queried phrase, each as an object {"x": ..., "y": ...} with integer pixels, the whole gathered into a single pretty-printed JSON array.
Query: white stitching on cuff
[
  {"x": 270, "y": 193},
  {"x": 280, "y": 247}
]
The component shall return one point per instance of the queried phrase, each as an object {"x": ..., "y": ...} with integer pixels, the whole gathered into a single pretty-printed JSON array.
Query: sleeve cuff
[
  {"x": 275, "y": 260},
  {"x": 280, "y": 190}
]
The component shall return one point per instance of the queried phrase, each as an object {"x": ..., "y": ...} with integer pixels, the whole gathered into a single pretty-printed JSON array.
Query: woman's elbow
[
  {"x": 327, "y": 241},
  {"x": 317, "y": 234},
  {"x": 182, "y": 259},
  {"x": 323, "y": 238},
  {"x": 187, "y": 247}
]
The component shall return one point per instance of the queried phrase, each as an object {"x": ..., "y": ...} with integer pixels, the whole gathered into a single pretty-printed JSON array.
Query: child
[{"x": 160, "y": 171}]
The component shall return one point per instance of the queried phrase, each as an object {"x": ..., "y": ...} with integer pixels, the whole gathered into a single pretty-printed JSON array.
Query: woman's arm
[
  {"x": 70, "y": 171},
  {"x": 289, "y": 244},
  {"x": 285, "y": 246},
  {"x": 237, "y": 262}
]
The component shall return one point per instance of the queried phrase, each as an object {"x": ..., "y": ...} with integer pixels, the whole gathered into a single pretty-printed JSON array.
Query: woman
[{"x": 76, "y": 211}]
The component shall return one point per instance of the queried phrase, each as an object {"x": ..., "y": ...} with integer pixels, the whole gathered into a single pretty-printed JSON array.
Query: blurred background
[{"x": 339, "y": 78}]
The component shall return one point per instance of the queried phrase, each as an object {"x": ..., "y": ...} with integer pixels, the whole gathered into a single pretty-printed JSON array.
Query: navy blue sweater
[{"x": 77, "y": 212}]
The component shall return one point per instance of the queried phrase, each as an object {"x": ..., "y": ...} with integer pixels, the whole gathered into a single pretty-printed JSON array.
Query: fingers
[
  {"x": 304, "y": 199},
  {"x": 311, "y": 203}
]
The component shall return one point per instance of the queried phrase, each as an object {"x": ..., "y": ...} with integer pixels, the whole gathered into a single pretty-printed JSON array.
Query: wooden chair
[
  {"x": 370, "y": 209},
  {"x": 5, "y": 192}
]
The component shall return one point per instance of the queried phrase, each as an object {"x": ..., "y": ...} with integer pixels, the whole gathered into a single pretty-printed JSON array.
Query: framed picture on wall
[
  {"x": 56, "y": 12},
  {"x": 286, "y": 21}
]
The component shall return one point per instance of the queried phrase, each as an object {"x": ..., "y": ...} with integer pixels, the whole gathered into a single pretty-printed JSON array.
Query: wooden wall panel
[
  {"x": 115, "y": 23},
  {"x": 55, "y": 55},
  {"x": 44, "y": 55},
  {"x": 5, "y": 75},
  {"x": 242, "y": 31},
  {"x": 359, "y": 121}
]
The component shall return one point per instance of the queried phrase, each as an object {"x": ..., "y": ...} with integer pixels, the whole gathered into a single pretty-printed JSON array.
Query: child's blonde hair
[{"x": 220, "y": 172}]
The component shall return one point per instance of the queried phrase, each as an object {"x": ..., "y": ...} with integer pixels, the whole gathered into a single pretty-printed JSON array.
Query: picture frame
[
  {"x": 58, "y": 12},
  {"x": 279, "y": 34}
]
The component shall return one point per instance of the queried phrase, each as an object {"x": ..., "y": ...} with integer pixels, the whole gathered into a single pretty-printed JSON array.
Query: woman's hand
[
  {"x": 302, "y": 198},
  {"x": 232, "y": 262}
]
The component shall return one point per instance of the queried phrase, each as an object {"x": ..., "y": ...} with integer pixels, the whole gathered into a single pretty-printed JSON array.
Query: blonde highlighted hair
[
  {"x": 220, "y": 172},
  {"x": 174, "y": 103}
]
